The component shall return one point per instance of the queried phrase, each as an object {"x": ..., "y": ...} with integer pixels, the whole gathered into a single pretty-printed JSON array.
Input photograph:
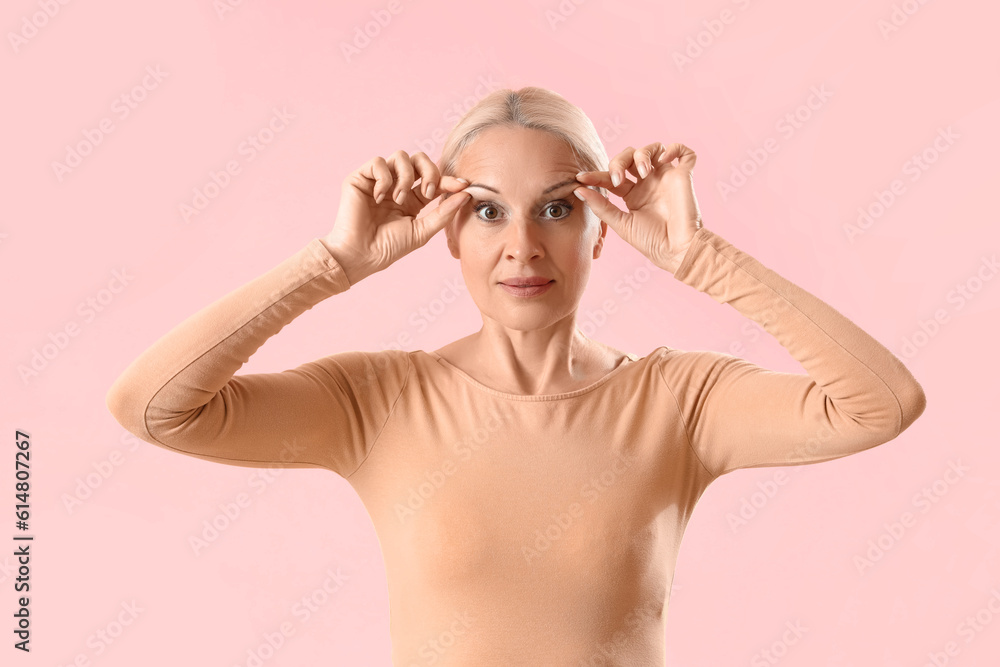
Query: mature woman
[{"x": 529, "y": 486}]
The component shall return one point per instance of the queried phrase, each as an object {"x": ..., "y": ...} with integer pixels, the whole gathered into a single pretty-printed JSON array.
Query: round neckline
[{"x": 629, "y": 358}]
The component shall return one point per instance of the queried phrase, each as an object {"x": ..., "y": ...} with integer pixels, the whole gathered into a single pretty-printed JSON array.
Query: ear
[
  {"x": 600, "y": 240},
  {"x": 452, "y": 245}
]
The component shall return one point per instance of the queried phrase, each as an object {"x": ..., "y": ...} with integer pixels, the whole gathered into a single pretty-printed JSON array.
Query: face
[{"x": 523, "y": 226}]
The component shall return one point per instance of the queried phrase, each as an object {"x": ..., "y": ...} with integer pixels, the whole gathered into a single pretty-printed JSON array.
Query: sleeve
[
  {"x": 181, "y": 393},
  {"x": 856, "y": 395}
]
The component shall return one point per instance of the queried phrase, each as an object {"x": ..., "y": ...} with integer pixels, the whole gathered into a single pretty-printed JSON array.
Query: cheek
[{"x": 477, "y": 261}]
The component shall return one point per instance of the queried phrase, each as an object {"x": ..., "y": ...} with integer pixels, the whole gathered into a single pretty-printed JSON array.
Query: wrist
[
  {"x": 351, "y": 272},
  {"x": 675, "y": 260}
]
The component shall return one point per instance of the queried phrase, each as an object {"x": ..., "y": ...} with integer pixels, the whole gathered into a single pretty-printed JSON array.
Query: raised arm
[
  {"x": 182, "y": 394},
  {"x": 856, "y": 395}
]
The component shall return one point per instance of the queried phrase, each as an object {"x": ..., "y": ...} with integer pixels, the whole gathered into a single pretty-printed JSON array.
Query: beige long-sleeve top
[{"x": 522, "y": 530}]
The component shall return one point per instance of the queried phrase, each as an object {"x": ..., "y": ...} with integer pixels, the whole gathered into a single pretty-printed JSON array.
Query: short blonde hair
[{"x": 533, "y": 108}]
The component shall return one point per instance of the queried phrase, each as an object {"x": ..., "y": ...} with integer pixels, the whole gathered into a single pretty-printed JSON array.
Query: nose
[{"x": 523, "y": 240}]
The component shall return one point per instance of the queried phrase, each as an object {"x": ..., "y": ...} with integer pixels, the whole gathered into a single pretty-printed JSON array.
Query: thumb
[
  {"x": 603, "y": 208},
  {"x": 430, "y": 224}
]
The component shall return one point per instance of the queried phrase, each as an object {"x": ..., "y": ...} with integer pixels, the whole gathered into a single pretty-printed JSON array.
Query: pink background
[{"x": 737, "y": 589}]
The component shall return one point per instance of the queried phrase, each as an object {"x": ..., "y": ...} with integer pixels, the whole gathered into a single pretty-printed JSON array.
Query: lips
[{"x": 526, "y": 282}]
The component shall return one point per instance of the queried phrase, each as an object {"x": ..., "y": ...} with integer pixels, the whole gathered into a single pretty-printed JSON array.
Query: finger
[
  {"x": 644, "y": 158},
  {"x": 604, "y": 209},
  {"x": 400, "y": 163},
  {"x": 428, "y": 173},
  {"x": 451, "y": 184},
  {"x": 634, "y": 163},
  {"x": 618, "y": 165},
  {"x": 427, "y": 226},
  {"x": 674, "y": 151},
  {"x": 656, "y": 151},
  {"x": 687, "y": 158},
  {"x": 599, "y": 178},
  {"x": 378, "y": 171},
  {"x": 637, "y": 162},
  {"x": 603, "y": 179}
]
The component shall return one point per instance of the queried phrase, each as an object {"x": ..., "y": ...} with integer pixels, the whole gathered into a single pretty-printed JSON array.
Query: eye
[
  {"x": 566, "y": 206},
  {"x": 558, "y": 205},
  {"x": 485, "y": 205}
]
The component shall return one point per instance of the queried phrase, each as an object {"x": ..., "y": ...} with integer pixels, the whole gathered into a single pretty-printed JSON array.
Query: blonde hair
[{"x": 533, "y": 108}]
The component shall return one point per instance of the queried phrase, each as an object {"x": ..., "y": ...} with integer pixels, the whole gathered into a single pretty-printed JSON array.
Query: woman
[{"x": 529, "y": 486}]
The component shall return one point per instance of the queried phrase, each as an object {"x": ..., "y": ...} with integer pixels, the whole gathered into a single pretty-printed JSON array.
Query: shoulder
[
  {"x": 455, "y": 349},
  {"x": 691, "y": 368},
  {"x": 359, "y": 367}
]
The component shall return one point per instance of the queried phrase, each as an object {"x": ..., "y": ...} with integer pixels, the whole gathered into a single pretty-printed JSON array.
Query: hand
[
  {"x": 663, "y": 213},
  {"x": 375, "y": 223}
]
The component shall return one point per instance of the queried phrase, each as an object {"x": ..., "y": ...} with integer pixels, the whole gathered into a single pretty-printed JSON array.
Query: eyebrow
[{"x": 544, "y": 192}]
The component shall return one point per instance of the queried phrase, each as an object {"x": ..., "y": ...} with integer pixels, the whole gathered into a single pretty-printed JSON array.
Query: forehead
[{"x": 505, "y": 154}]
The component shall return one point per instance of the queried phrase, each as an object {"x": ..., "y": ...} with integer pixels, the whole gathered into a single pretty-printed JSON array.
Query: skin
[{"x": 526, "y": 345}]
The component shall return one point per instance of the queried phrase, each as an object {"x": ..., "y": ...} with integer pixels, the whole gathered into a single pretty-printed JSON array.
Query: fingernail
[
  {"x": 463, "y": 180},
  {"x": 578, "y": 195},
  {"x": 642, "y": 169},
  {"x": 430, "y": 190},
  {"x": 615, "y": 179},
  {"x": 580, "y": 173}
]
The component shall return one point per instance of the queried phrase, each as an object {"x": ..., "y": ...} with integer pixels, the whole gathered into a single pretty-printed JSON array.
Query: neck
[{"x": 533, "y": 361}]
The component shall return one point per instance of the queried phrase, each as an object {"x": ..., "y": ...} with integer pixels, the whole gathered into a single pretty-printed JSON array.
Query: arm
[
  {"x": 856, "y": 395},
  {"x": 181, "y": 393}
]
